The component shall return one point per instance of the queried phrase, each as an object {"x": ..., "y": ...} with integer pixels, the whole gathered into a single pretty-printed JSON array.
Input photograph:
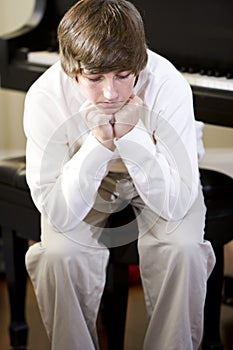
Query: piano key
[
  {"x": 43, "y": 57},
  {"x": 222, "y": 83},
  {"x": 213, "y": 98},
  {"x": 211, "y": 82}
]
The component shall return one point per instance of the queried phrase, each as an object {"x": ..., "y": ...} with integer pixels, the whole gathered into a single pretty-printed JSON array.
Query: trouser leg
[
  {"x": 68, "y": 279},
  {"x": 175, "y": 264},
  {"x": 68, "y": 273}
]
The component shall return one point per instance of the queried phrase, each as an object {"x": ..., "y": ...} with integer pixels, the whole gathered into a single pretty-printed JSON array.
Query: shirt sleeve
[
  {"x": 63, "y": 181},
  {"x": 162, "y": 159}
]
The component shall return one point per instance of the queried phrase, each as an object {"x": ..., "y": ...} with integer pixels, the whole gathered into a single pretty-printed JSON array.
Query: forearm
[
  {"x": 165, "y": 175},
  {"x": 65, "y": 193}
]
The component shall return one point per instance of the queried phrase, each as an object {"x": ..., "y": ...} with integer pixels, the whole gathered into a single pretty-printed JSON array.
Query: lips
[
  {"x": 110, "y": 104},
  {"x": 110, "y": 107}
]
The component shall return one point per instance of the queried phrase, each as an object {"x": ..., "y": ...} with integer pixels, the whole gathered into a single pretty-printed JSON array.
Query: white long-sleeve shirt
[{"x": 66, "y": 164}]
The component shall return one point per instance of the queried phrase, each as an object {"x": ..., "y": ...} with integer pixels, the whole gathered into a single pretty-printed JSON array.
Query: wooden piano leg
[
  {"x": 212, "y": 311},
  {"x": 14, "y": 249}
]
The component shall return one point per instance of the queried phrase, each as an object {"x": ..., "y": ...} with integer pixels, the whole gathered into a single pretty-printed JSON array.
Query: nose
[{"x": 110, "y": 91}]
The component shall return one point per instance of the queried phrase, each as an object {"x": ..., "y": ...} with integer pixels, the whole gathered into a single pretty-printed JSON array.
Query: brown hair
[{"x": 102, "y": 36}]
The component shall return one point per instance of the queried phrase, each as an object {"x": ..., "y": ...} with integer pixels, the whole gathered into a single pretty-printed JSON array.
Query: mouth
[
  {"x": 110, "y": 107},
  {"x": 110, "y": 104}
]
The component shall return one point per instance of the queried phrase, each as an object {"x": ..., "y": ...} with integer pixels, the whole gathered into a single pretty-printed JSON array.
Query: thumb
[{"x": 134, "y": 99}]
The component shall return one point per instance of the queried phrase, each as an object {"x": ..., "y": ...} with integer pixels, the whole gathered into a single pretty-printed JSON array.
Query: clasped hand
[{"x": 114, "y": 124}]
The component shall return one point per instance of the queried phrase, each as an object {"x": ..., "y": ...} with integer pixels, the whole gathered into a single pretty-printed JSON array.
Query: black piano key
[
  {"x": 229, "y": 75},
  {"x": 209, "y": 72},
  {"x": 192, "y": 69},
  {"x": 183, "y": 69},
  {"x": 202, "y": 71}
]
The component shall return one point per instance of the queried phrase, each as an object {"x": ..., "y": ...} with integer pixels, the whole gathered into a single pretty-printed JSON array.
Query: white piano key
[
  {"x": 221, "y": 83},
  {"x": 43, "y": 57},
  {"x": 48, "y": 58}
]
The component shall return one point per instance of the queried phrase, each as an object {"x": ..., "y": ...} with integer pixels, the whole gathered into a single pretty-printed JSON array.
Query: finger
[
  {"x": 100, "y": 119},
  {"x": 92, "y": 115},
  {"x": 134, "y": 99}
]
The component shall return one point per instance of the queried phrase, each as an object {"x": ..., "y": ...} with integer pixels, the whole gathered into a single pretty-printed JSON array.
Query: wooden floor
[{"x": 135, "y": 324}]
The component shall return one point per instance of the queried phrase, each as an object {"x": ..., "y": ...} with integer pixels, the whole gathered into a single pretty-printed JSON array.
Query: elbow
[{"x": 176, "y": 208}]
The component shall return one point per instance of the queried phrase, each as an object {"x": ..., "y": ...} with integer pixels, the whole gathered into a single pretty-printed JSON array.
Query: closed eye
[
  {"x": 123, "y": 76},
  {"x": 94, "y": 79}
]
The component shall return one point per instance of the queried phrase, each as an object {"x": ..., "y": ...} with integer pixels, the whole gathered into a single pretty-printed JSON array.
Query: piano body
[
  {"x": 38, "y": 34},
  {"x": 196, "y": 36}
]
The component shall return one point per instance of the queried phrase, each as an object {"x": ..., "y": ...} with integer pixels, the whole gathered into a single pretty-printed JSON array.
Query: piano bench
[{"x": 20, "y": 223}]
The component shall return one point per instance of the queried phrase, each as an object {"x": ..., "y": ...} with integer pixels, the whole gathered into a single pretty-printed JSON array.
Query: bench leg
[{"x": 14, "y": 249}]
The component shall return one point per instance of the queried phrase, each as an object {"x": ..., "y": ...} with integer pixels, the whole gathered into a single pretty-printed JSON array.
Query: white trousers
[{"x": 68, "y": 274}]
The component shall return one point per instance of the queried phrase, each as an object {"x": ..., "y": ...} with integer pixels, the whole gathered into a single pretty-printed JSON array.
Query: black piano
[{"x": 196, "y": 36}]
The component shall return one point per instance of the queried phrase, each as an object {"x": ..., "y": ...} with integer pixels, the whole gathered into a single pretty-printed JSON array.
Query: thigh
[
  {"x": 176, "y": 244},
  {"x": 190, "y": 228},
  {"x": 59, "y": 251},
  {"x": 174, "y": 254}
]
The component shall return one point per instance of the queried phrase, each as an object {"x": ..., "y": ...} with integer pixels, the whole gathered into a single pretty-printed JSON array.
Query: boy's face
[{"x": 108, "y": 91}]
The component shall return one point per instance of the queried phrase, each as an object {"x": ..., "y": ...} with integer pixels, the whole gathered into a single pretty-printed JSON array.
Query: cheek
[
  {"x": 89, "y": 93},
  {"x": 127, "y": 90}
]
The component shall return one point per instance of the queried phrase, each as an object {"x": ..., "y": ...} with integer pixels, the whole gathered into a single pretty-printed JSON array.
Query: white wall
[
  {"x": 12, "y": 138},
  {"x": 218, "y": 143},
  {"x": 14, "y": 15}
]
